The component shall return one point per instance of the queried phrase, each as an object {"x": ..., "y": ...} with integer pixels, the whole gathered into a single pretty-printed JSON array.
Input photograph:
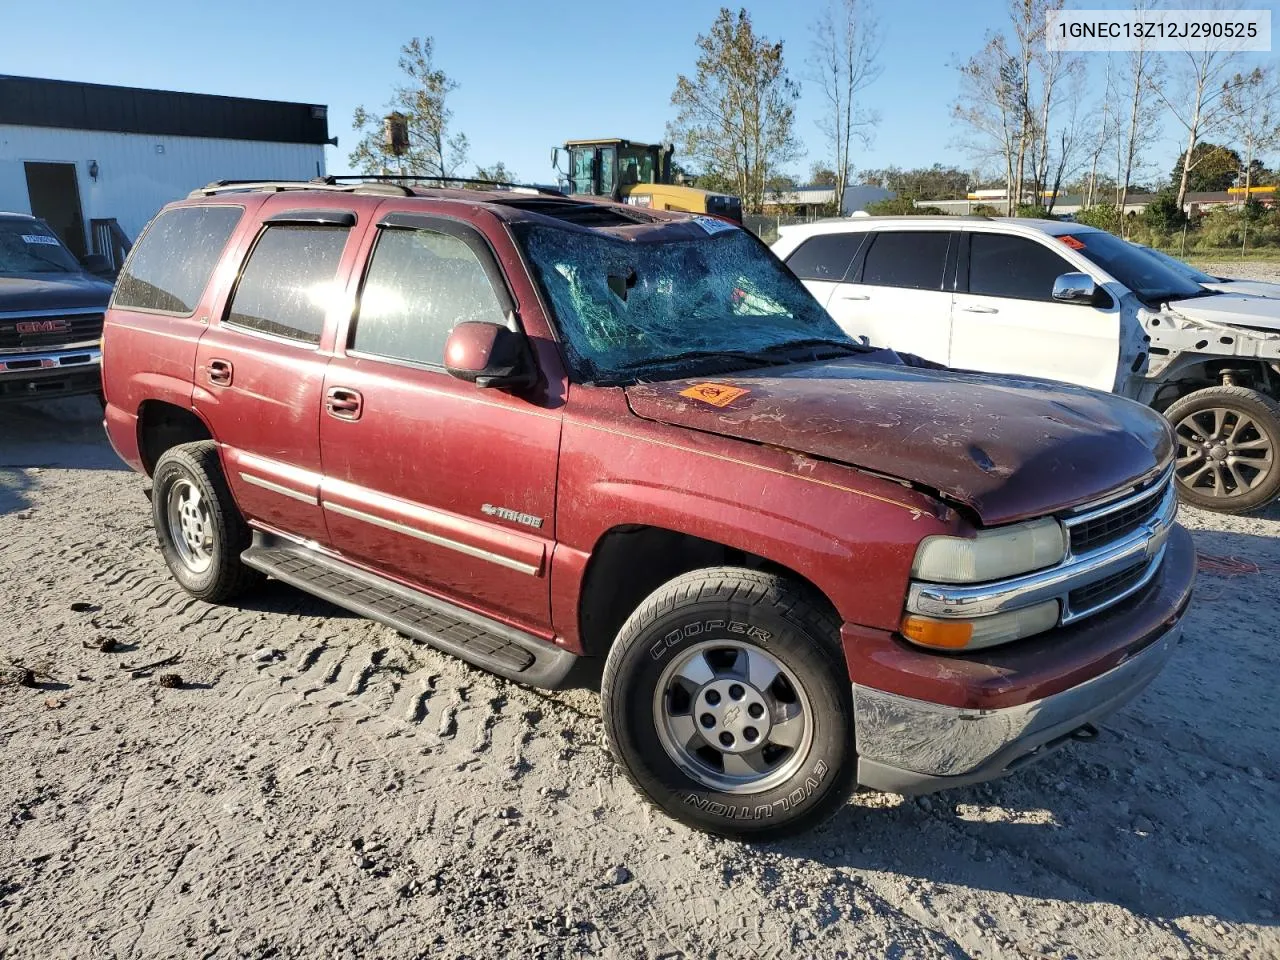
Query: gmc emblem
[{"x": 43, "y": 326}]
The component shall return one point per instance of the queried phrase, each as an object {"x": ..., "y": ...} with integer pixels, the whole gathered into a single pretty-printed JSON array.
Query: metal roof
[{"x": 35, "y": 102}]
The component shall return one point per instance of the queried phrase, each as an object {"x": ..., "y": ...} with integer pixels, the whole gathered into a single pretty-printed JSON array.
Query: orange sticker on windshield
[
  {"x": 1071, "y": 241},
  {"x": 716, "y": 394}
]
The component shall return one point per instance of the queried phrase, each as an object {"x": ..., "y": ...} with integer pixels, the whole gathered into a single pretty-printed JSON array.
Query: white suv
[{"x": 1066, "y": 302}]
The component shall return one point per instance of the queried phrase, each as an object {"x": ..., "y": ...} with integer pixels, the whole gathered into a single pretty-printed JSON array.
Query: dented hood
[
  {"x": 1008, "y": 448},
  {"x": 1230, "y": 310}
]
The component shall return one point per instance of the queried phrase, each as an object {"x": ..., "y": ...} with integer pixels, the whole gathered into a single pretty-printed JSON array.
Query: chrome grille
[
  {"x": 1098, "y": 529},
  {"x": 42, "y": 331}
]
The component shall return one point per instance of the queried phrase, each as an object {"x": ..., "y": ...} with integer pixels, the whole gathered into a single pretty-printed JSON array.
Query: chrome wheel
[
  {"x": 1222, "y": 452},
  {"x": 190, "y": 525},
  {"x": 732, "y": 717}
]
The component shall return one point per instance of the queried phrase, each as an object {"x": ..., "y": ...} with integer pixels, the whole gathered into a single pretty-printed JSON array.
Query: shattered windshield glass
[{"x": 668, "y": 306}]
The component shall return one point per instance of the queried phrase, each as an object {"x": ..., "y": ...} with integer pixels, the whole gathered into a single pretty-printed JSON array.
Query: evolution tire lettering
[
  {"x": 762, "y": 811},
  {"x": 698, "y": 628}
]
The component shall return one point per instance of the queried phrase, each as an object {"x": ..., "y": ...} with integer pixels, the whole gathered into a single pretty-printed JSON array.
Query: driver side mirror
[
  {"x": 489, "y": 355},
  {"x": 1079, "y": 288}
]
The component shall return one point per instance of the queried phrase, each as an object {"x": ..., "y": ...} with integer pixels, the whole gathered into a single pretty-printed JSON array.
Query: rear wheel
[
  {"x": 727, "y": 702},
  {"x": 1228, "y": 442},
  {"x": 200, "y": 529}
]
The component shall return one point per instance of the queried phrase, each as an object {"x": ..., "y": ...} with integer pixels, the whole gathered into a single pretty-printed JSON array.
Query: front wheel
[
  {"x": 1228, "y": 442},
  {"x": 727, "y": 702}
]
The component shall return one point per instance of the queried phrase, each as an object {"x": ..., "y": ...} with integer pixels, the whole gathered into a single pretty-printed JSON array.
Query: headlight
[
  {"x": 980, "y": 631},
  {"x": 992, "y": 554}
]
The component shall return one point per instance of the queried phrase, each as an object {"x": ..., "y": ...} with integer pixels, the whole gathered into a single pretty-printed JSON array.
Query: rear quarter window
[{"x": 174, "y": 259}]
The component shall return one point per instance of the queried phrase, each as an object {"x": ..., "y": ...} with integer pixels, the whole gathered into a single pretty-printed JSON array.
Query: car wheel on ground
[
  {"x": 1228, "y": 440},
  {"x": 727, "y": 703},
  {"x": 201, "y": 532}
]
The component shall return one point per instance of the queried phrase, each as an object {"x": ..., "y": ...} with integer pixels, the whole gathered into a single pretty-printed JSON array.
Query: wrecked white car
[{"x": 1066, "y": 302}]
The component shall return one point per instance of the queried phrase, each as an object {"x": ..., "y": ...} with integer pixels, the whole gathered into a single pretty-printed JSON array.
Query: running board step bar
[{"x": 472, "y": 637}]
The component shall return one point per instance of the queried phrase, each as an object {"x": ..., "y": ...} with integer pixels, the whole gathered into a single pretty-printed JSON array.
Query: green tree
[
  {"x": 821, "y": 176},
  {"x": 922, "y": 183},
  {"x": 433, "y": 150},
  {"x": 736, "y": 115},
  {"x": 899, "y": 207},
  {"x": 498, "y": 172},
  {"x": 1213, "y": 168},
  {"x": 1164, "y": 214}
]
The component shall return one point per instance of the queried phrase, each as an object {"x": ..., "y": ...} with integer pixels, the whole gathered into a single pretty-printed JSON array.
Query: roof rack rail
[
  {"x": 393, "y": 184},
  {"x": 417, "y": 177},
  {"x": 234, "y": 186}
]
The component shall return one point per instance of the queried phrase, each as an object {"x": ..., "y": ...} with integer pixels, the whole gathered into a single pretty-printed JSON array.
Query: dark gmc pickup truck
[
  {"x": 50, "y": 314},
  {"x": 528, "y": 429}
]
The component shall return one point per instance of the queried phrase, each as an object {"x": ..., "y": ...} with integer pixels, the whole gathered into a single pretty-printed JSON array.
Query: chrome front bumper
[{"x": 912, "y": 746}]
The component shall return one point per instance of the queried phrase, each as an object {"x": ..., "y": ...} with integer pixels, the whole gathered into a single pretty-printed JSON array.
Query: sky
[{"x": 529, "y": 75}]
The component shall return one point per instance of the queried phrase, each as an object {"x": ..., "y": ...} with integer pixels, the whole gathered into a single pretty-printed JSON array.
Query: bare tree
[
  {"x": 845, "y": 62},
  {"x": 1141, "y": 78},
  {"x": 432, "y": 150},
  {"x": 1252, "y": 102},
  {"x": 1104, "y": 134},
  {"x": 1196, "y": 97},
  {"x": 989, "y": 108},
  {"x": 737, "y": 113}
]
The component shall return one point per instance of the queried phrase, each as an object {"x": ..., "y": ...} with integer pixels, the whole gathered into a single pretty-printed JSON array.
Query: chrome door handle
[
  {"x": 854, "y": 296},
  {"x": 979, "y": 309},
  {"x": 343, "y": 403}
]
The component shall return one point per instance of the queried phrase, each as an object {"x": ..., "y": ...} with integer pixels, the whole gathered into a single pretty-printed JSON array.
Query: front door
[
  {"x": 1006, "y": 320},
  {"x": 54, "y": 192},
  {"x": 429, "y": 479},
  {"x": 897, "y": 297},
  {"x": 260, "y": 368}
]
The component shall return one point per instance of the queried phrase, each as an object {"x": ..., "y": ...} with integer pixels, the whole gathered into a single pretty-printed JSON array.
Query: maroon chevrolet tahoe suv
[{"x": 527, "y": 429}]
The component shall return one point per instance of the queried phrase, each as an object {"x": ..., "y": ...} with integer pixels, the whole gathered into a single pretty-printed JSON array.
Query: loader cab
[{"x": 601, "y": 167}]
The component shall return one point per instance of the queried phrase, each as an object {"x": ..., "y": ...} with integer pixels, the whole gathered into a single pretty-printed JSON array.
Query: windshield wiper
[
  {"x": 849, "y": 346},
  {"x": 758, "y": 359}
]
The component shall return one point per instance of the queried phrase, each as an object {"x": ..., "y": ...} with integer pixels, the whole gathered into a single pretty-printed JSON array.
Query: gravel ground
[
  {"x": 320, "y": 787},
  {"x": 1240, "y": 270}
]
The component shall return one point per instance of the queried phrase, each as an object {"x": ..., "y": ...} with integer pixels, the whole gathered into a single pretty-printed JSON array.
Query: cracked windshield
[{"x": 648, "y": 310}]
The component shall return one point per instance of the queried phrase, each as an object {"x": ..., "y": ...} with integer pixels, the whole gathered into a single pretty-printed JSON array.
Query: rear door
[
  {"x": 1005, "y": 319},
  {"x": 823, "y": 261},
  {"x": 897, "y": 295},
  {"x": 428, "y": 479},
  {"x": 260, "y": 367}
]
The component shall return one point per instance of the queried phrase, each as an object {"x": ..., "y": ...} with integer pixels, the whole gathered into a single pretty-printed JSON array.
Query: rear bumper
[
  {"x": 50, "y": 373},
  {"x": 911, "y": 746}
]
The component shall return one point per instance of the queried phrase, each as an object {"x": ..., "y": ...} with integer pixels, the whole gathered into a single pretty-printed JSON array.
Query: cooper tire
[
  {"x": 1228, "y": 448},
  {"x": 200, "y": 529},
  {"x": 722, "y": 614}
]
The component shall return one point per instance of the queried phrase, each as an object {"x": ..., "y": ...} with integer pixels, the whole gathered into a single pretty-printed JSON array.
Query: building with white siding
[{"x": 98, "y": 161}]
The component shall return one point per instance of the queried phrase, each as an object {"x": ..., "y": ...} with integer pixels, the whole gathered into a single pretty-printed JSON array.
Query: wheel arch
[
  {"x": 628, "y": 562},
  {"x": 162, "y": 426}
]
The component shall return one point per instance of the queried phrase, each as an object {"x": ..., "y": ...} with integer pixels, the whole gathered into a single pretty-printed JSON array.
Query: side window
[
  {"x": 825, "y": 257},
  {"x": 286, "y": 285},
  {"x": 175, "y": 258},
  {"x": 1014, "y": 267},
  {"x": 915, "y": 259},
  {"x": 420, "y": 283}
]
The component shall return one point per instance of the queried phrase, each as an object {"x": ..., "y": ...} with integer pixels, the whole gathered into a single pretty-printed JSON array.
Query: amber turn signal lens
[{"x": 946, "y": 634}]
